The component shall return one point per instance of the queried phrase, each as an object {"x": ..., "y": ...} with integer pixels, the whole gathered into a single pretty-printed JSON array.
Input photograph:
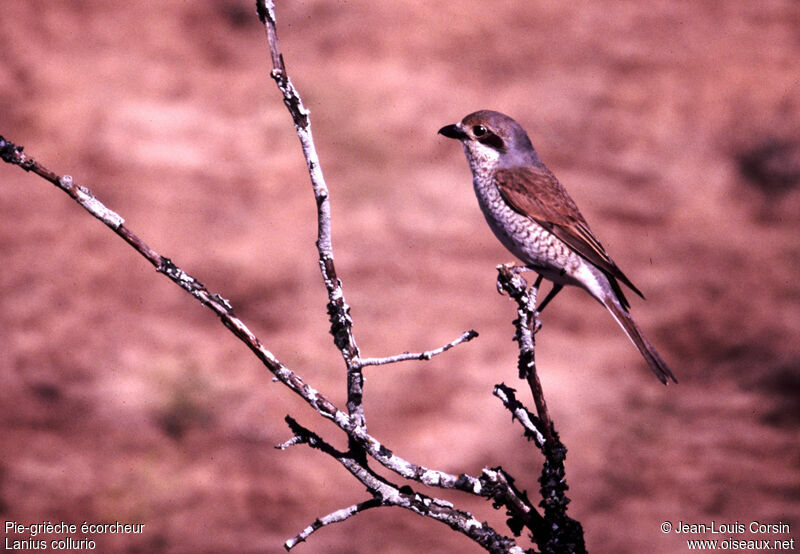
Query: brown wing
[{"x": 536, "y": 193}]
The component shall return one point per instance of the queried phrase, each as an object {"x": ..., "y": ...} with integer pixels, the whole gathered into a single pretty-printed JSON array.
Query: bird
[{"x": 534, "y": 217}]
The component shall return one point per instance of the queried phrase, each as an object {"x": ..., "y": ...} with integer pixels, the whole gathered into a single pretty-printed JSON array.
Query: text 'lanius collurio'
[{"x": 534, "y": 217}]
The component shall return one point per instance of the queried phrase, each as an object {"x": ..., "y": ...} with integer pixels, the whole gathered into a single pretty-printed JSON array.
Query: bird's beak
[{"x": 453, "y": 131}]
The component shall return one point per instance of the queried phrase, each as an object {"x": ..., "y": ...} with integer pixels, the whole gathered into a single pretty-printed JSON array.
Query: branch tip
[
  {"x": 297, "y": 439},
  {"x": 333, "y": 517},
  {"x": 427, "y": 355}
]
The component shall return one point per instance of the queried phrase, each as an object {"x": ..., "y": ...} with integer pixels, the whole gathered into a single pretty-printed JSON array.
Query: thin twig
[
  {"x": 295, "y": 440},
  {"x": 427, "y": 355},
  {"x": 338, "y": 310},
  {"x": 333, "y": 517}
]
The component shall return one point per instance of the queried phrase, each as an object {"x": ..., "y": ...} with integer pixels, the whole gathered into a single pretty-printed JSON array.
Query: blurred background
[{"x": 674, "y": 125}]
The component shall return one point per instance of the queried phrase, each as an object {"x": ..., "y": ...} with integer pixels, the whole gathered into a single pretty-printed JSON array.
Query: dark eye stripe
[{"x": 490, "y": 139}]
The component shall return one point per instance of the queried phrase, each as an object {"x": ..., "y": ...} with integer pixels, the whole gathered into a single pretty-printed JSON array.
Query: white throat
[{"x": 483, "y": 160}]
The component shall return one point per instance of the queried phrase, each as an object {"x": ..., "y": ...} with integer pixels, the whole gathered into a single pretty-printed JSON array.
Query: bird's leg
[{"x": 550, "y": 295}]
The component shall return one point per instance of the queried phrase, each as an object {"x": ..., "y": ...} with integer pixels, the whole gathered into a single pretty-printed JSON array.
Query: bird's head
[{"x": 492, "y": 139}]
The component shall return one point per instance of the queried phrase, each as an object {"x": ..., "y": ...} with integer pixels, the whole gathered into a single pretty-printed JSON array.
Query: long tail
[{"x": 654, "y": 360}]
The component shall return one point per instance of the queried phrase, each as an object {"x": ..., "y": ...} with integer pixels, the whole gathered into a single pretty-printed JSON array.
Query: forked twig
[
  {"x": 562, "y": 533},
  {"x": 386, "y": 493},
  {"x": 526, "y": 324}
]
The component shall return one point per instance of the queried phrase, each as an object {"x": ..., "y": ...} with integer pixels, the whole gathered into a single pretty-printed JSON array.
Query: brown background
[{"x": 673, "y": 124}]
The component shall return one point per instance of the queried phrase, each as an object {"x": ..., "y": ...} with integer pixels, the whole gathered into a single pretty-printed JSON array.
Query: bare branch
[
  {"x": 341, "y": 324},
  {"x": 338, "y": 310},
  {"x": 389, "y": 494},
  {"x": 427, "y": 355},
  {"x": 334, "y": 517}
]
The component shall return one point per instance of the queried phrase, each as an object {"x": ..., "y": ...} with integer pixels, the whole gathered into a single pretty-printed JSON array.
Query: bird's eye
[{"x": 479, "y": 130}]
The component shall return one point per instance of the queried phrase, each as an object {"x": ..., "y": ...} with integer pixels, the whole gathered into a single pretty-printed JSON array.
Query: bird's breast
[{"x": 522, "y": 236}]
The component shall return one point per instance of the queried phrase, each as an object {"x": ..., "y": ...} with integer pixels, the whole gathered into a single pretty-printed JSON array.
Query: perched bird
[{"x": 534, "y": 217}]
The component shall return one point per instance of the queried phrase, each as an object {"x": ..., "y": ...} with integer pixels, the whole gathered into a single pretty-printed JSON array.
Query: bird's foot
[
  {"x": 513, "y": 269},
  {"x": 516, "y": 269}
]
